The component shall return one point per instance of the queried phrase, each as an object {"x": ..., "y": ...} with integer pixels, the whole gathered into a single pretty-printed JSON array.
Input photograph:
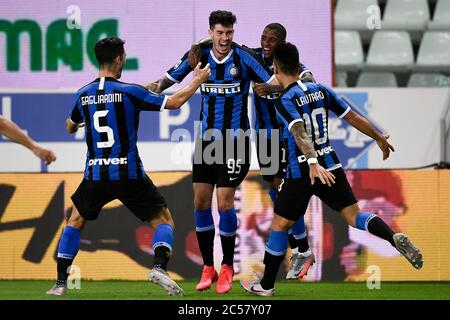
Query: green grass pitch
[{"x": 143, "y": 290}]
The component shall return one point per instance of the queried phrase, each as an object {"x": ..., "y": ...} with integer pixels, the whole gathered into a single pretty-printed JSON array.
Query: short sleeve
[
  {"x": 287, "y": 112},
  {"x": 75, "y": 115},
  {"x": 180, "y": 70},
  {"x": 144, "y": 99},
  {"x": 258, "y": 70},
  {"x": 336, "y": 103}
]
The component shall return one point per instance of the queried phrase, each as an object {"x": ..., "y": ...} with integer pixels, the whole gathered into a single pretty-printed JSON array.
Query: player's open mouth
[
  {"x": 267, "y": 51},
  {"x": 224, "y": 46}
]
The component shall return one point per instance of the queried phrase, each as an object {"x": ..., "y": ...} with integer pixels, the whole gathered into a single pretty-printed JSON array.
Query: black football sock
[
  {"x": 228, "y": 244},
  {"x": 63, "y": 270},
  {"x": 303, "y": 244},
  {"x": 292, "y": 241},
  {"x": 206, "y": 244},
  {"x": 162, "y": 255},
  {"x": 270, "y": 272},
  {"x": 379, "y": 228}
]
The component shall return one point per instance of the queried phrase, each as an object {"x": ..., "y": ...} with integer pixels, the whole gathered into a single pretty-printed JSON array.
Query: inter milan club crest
[{"x": 233, "y": 71}]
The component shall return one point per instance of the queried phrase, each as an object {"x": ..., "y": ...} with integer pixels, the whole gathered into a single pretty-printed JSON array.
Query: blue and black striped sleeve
[
  {"x": 145, "y": 100},
  {"x": 258, "y": 70},
  {"x": 303, "y": 69},
  {"x": 180, "y": 70},
  {"x": 75, "y": 115},
  {"x": 335, "y": 103},
  {"x": 287, "y": 112}
]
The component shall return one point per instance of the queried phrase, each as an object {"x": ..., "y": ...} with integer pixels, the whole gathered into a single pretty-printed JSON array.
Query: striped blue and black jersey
[
  {"x": 266, "y": 117},
  {"x": 110, "y": 111},
  {"x": 225, "y": 94},
  {"x": 309, "y": 103}
]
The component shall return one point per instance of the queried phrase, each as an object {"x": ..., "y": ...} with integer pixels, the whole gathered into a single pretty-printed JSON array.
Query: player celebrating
[
  {"x": 307, "y": 105},
  {"x": 13, "y": 132},
  {"x": 224, "y": 109},
  {"x": 110, "y": 109},
  {"x": 266, "y": 124},
  {"x": 266, "y": 121}
]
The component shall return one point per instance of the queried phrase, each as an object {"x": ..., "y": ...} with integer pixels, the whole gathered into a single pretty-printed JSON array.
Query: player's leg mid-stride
[{"x": 162, "y": 247}]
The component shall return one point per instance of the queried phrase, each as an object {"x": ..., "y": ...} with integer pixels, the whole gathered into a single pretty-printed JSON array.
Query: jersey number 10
[{"x": 315, "y": 125}]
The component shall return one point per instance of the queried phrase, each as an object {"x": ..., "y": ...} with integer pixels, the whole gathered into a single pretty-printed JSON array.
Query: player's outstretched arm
[
  {"x": 13, "y": 132},
  {"x": 180, "y": 97},
  {"x": 160, "y": 85},
  {"x": 264, "y": 89},
  {"x": 307, "y": 147},
  {"x": 364, "y": 125}
]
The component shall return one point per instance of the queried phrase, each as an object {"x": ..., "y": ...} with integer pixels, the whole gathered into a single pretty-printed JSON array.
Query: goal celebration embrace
[{"x": 231, "y": 150}]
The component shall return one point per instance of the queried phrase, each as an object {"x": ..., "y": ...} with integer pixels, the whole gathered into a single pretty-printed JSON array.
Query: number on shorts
[{"x": 234, "y": 166}]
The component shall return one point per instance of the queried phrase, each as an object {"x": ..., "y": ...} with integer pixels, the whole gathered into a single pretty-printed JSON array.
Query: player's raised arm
[
  {"x": 160, "y": 85},
  {"x": 180, "y": 97},
  {"x": 340, "y": 107},
  {"x": 195, "y": 53},
  {"x": 13, "y": 132},
  {"x": 176, "y": 74},
  {"x": 364, "y": 125}
]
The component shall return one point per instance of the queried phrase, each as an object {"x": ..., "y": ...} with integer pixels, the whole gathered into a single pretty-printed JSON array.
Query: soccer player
[
  {"x": 110, "y": 110},
  {"x": 224, "y": 109},
  {"x": 304, "y": 109},
  {"x": 13, "y": 132},
  {"x": 265, "y": 122}
]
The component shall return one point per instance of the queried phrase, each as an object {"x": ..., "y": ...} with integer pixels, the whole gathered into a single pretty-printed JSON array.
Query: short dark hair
[
  {"x": 279, "y": 29},
  {"x": 225, "y": 18},
  {"x": 285, "y": 55},
  {"x": 107, "y": 49}
]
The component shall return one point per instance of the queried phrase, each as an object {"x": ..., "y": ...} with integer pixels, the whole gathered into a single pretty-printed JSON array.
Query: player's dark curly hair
[
  {"x": 225, "y": 18},
  {"x": 279, "y": 29},
  {"x": 107, "y": 49},
  {"x": 285, "y": 56}
]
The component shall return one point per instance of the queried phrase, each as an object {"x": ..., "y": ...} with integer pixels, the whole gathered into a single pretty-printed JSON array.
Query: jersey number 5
[{"x": 103, "y": 129}]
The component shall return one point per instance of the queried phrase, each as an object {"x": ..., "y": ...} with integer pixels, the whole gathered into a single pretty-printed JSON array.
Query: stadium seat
[
  {"x": 441, "y": 19},
  {"x": 390, "y": 50},
  {"x": 406, "y": 15},
  {"x": 348, "y": 54},
  {"x": 434, "y": 52},
  {"x": 376, "y": 79},
  {"x": 428, "y": 80},
  {"x": 352, "y": 14},
  {"x": 341, "y": 79}
]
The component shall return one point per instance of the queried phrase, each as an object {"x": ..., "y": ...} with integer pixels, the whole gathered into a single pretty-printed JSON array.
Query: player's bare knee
[
  {"x": 164, "y": 217},
  {"x": 202, "y": 202},
  {"x": 350, "y": 213},
  {"x": 280, "y": 224},
  {"x": 76, "y": 222},
  {"x": 225, "y": 206}
]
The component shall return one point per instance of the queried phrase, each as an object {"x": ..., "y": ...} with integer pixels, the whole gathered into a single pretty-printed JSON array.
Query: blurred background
[{"x": 389, "y": 59}]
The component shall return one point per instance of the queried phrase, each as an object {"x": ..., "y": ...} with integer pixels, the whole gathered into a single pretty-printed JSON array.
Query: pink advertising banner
[{"x": 49, "y": 44}]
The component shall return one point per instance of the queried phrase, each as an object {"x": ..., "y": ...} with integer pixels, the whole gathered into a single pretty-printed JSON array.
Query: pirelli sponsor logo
[{"x": 221, "y": 89}]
